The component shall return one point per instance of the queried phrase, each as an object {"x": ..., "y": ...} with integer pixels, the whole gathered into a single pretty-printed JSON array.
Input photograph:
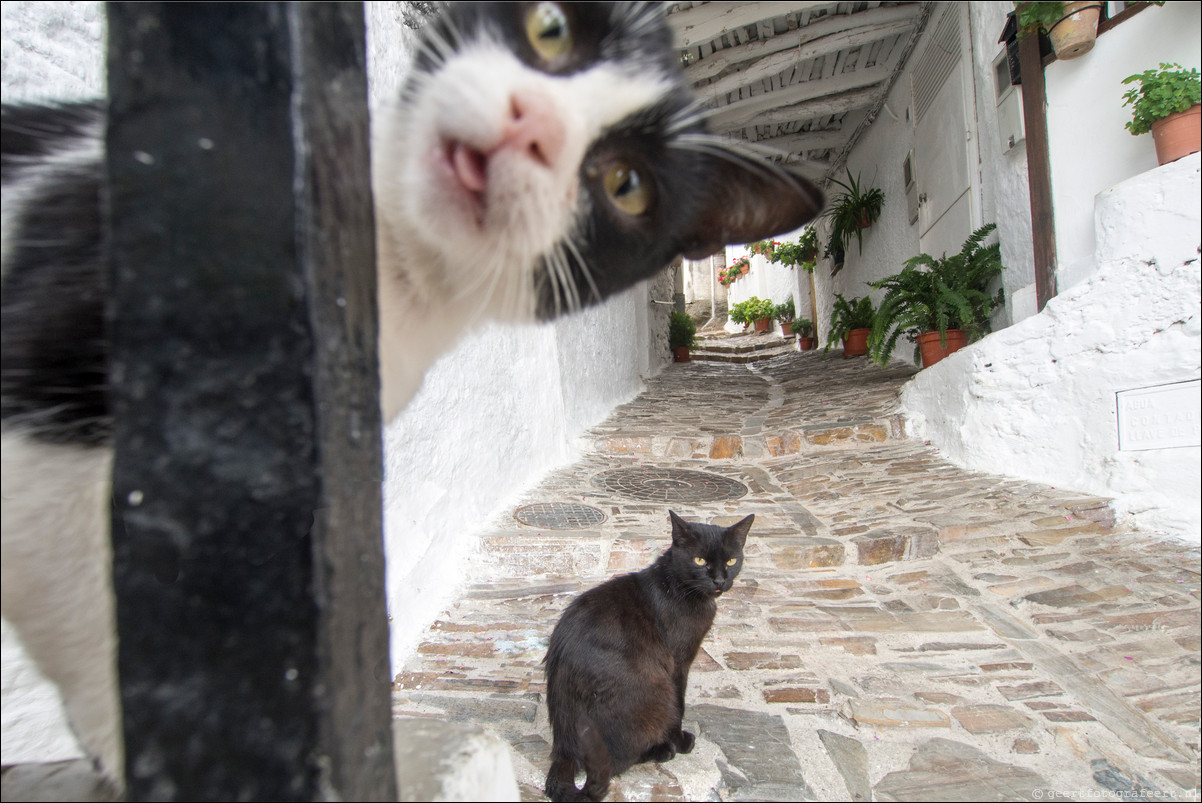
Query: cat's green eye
[
  {"x": 699, "y": 561},
  {"x": 626, "y": 189},
  {"x": 732, "y": 561},
  {"x": 548, "y": 31}
]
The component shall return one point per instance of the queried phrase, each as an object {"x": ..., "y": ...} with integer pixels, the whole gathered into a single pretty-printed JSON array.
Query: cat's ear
[
  {"x": 736, "y": 534},
  {"x": 681, "y": 534},
  {"x": 747, "y": 199}
]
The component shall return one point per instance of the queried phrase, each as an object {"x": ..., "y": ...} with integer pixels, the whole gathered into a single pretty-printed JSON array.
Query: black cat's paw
[
  {"x": 665, "y": 751},
  {"x": 685, "y": 743}
]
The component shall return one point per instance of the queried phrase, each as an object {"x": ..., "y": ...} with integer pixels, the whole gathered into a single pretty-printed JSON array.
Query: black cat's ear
[
  {"x": 737, "y": 533},
  {"x": 681, "y": 534},
  {"x": 747, "y": 199}
]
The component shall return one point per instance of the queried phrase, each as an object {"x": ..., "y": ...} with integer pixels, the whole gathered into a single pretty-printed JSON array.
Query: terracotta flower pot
[
  {"x": 931, "y": 348},
  {"x": 807, "y": 343},
  {"x": 681, "y": 354},
  {"x": 1075, "y": 33},
  {"x": 863, "y": 221},
  {"x": 1178, "y": 135},
  {"x": 762, "y": 325},
  {"x": 786, "y": 328},
  {"x": 856, "y": 343}
]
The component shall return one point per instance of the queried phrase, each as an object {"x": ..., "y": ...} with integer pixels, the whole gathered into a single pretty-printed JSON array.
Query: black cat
[{"x": 618, "y": 661}]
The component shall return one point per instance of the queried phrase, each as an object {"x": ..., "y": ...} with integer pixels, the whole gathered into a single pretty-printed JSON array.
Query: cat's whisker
[{"x": 585, "y": 270}]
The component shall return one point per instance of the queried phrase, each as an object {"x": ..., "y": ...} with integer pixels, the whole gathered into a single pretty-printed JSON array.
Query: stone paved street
[{"x": 902, "y": 629}]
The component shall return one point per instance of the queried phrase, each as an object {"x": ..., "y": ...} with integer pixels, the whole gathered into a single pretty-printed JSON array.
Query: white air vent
[{"x": 938, "y": 59}]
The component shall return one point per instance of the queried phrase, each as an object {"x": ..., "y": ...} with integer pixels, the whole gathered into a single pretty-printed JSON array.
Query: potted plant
[
  {"x": 682, "y": 335},
  {"x": 785, "y": 313},
  {"x": 856, "y": 209},
  {"x": 727, "y": 276},
  {"x": 941, "y": 304},
  {"x": 1166, "y": 102},
  {"x": 1072, "y": 27},
  {"x": 742, "y": 265},
  {"x": 851, "y": 322},
  {"x": 808, "y": 245},
  {"x": 754, "y": 310},
  {"x": 805, "y": 334}
]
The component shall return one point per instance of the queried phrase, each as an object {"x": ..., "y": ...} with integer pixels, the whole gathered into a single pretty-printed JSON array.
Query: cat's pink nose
[{"x": 533, "y": 127}]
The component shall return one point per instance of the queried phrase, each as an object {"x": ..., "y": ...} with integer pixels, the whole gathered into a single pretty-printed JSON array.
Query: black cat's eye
[
  {"x": 626, "y": 189},
  {"x": 548, "y": 30},
  {"x": 699, "y": 561},
  {"x": 732, "y": 561}
]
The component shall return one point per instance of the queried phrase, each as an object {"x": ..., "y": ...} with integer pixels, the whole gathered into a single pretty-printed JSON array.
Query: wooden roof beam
[
  {"x": 702, "y": 23},
  {"x": 719, "y": 61},
  {"x": 808, "y": 110},
  {"x": 826, "y": 45},
  {"x": 742, "y": 112}
]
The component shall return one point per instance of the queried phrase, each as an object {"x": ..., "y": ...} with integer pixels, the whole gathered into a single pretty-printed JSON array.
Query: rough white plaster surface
[
  {"x": 1089, "y": 146},
  {"x": 1037, "y": 400},
  {"x": 768, "y": 280},
  {"x": 494, "y": 415}
]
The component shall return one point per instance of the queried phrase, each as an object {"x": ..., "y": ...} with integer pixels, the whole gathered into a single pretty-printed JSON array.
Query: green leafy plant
[
  {"x": 682, "y": 331},
  {"x": 1160, "y": 93},
  {"x": 751, "y": 310},
  {"x": 852, "y": 211},
  {"x": 727, "y": 276},
  {"x": 1033, "y": 16},
  {"x": 785, "y": 312},
  {"x": 934, "y": 295},
  {"x": 804, "y": 327},
  {"x": 857, "y": 313}
]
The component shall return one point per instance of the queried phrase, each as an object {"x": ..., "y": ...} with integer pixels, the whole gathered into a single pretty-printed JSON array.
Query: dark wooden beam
[
  {"x": 248, "y": 561},
  {"x": 1039, "y": 169}
]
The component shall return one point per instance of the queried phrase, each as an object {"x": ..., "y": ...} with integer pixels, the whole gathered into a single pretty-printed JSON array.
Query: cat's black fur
[{"x": 618, "y": 661}]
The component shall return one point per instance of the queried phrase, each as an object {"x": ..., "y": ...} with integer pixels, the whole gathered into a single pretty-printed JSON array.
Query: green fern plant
[
  {"x": 934, "y": 295},
  {"x": 857, "y": 313},
  {"x": 854, "y": 207}
]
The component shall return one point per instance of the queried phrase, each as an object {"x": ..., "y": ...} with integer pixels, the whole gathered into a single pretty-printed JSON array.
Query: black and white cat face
[
  {"x": 543, "y": 156},
  {"x": 706, "y": 557}
]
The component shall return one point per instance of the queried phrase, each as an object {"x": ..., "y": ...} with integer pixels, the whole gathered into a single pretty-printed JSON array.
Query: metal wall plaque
[{"x": 1161, "y": 417}]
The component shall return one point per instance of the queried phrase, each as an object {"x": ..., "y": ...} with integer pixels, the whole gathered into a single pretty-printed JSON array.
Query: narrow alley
[{"x": 902, "y": 629}]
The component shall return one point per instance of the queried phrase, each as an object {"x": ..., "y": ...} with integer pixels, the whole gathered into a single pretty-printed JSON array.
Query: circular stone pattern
[
  {"x": 559, "y": 516},
  {"x": 670, "y": 485}
]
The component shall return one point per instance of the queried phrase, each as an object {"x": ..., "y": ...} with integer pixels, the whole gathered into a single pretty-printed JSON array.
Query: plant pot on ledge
[
  {"x": 762, "y": 325},
  {"x": 933, "y": 349},
  {"x": 807, "y": 343},
  {"x": 1178, "y": 135},
  {"x": 681, "y": 354},
  {"x": 855, "y": 344}
]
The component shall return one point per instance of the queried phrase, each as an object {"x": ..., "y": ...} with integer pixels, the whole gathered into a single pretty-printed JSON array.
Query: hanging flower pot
[
  {"x": 1074, "y": 34},
  {"x": 855, "y": 344},
  {"x": 932, "y": 348},
  {"x": 1178, "y": 135}
]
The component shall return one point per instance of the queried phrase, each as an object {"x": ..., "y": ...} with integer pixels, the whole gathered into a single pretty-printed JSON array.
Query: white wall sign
[{"x": 1160, "y": 417}]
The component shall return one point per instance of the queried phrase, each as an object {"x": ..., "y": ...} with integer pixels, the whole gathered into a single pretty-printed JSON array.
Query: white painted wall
[
  {"x": 1089, "y": 147},
  {"x": 1005, "y": 199},
  {"x": 1037, "y": 400}
]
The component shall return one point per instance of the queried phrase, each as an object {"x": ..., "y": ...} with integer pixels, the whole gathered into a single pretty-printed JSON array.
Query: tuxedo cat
[
  {"x": 618, "y": 660},
  {"x": 539, "y": 158}
]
